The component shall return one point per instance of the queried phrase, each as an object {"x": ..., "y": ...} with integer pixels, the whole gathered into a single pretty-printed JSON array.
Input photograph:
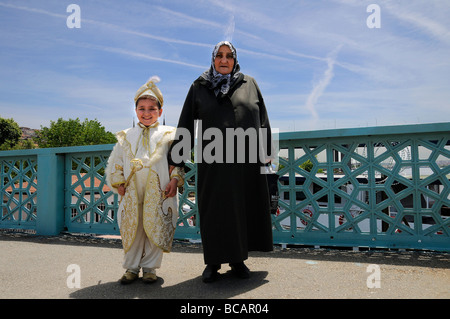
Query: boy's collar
[{"x": 151, "y": 126}]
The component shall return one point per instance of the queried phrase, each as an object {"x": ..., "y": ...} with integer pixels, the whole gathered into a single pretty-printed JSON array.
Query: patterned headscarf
[{"x": 222, "y": 82}]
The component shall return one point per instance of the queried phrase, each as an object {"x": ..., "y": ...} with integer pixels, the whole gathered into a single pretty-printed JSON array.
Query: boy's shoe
[
  {"x": 128, "y": 278},
  {"x": 149, "y": 278}
]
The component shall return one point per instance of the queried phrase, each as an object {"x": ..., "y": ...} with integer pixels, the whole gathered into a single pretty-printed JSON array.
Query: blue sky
[{"x": 318, "y": 64}]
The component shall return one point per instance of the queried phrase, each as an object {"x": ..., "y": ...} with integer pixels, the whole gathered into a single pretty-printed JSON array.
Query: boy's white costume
[{"x": 139, "y": 160}]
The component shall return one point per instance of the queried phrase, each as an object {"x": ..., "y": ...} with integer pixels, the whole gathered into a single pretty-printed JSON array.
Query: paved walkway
[{"x": 46, "y": 267}]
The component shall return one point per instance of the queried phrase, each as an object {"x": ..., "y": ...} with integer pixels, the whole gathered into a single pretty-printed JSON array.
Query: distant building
[{"x": 28, "y": 133}]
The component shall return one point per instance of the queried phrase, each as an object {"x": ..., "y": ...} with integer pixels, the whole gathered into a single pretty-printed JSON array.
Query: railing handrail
[
  {"x": 58, "y": 150},
  {"x": 368, "y": 131}
]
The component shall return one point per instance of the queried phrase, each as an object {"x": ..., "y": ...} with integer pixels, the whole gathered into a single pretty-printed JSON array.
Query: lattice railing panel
[
  {"x": 19, "y": 192},
  {"x": 90, "y": 204},
  {"x": 188, "y": 220},
  {"x": 386, "y": 191}
]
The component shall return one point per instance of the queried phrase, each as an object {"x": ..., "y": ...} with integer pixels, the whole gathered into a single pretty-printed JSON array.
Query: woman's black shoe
[
  {"x": 210, "y": 273},
  {"x": 240, "y": 270}
]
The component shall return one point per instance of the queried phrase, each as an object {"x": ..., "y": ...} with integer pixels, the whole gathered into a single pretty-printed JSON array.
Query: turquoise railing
[
  {"x": 367, "y": 187},
  {"x": 372, "y": 187}
]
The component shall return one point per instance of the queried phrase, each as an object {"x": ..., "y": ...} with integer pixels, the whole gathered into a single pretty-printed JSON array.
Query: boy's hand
[
  {"x": 171, "y": 188},
  {"x": 121, "y": 189}
]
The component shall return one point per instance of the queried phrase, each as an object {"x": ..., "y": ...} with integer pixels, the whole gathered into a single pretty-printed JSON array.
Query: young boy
[{"x": 138, "y": 171}]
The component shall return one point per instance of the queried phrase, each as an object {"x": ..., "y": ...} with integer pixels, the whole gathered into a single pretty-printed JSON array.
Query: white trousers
[{"x": 143, "y": 253}]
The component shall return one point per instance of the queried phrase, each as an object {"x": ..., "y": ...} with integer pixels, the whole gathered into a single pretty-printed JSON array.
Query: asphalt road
[{"x": 84, "y": 267}]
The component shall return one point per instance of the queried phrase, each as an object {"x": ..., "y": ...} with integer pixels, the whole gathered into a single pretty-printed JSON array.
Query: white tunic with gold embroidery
[{"x": 146, "y": 186}]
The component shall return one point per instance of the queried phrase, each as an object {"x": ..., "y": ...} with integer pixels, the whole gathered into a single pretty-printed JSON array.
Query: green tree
[
  {"x": 94, "y": 133},
  {"x": 307, "y": 166},
  {"x": 73, "y": 133},
  {"x": 25, "y": 145},
  {"x": 10, "y": 133}
]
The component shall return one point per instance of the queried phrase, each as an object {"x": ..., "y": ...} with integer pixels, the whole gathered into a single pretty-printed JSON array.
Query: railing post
[{"x": 50, "y": 199}]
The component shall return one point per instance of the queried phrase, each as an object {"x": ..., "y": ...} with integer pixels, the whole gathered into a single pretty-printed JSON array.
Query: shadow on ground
[{"x": 227, "y": 286}]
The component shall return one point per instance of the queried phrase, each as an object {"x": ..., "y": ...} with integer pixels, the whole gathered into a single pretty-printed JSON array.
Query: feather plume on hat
[{"x": 150, "y": 88}]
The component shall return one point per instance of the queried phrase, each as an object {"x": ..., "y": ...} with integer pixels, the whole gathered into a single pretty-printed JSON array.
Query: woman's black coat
[{"x": 233, "y": 199}]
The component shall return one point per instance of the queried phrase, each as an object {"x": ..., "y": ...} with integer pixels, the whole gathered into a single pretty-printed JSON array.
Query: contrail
[
  {"x": 320, "y": 87},
  {"x": 108, "y": 25},
  {"x": 129, "y": 53},
  {"x": 230, "y": 29}
]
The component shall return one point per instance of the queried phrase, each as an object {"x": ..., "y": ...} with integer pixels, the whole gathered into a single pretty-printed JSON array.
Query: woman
[{"x": 233, "y": 200}]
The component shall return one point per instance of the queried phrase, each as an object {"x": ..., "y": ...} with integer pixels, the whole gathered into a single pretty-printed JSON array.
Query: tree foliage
[
  {"x": 10, "y": 133},
  {"x": 73, "y": 132}
]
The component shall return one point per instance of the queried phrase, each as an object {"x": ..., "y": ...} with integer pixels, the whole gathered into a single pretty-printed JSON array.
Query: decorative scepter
[{"x": 136, "y": 165}]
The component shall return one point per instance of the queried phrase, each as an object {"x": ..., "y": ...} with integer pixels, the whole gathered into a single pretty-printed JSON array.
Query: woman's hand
[
  {"x": 121, "y": 189},
  {"x": 171, "y": 188}
]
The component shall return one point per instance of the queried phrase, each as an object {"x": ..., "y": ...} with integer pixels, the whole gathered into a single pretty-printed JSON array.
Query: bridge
[{"x": 375, "y": 187}]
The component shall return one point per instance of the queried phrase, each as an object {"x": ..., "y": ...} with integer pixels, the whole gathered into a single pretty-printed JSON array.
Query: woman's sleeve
[
  {"x": 180, "y": 150},
  {"x": 265, "y": 124}
]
